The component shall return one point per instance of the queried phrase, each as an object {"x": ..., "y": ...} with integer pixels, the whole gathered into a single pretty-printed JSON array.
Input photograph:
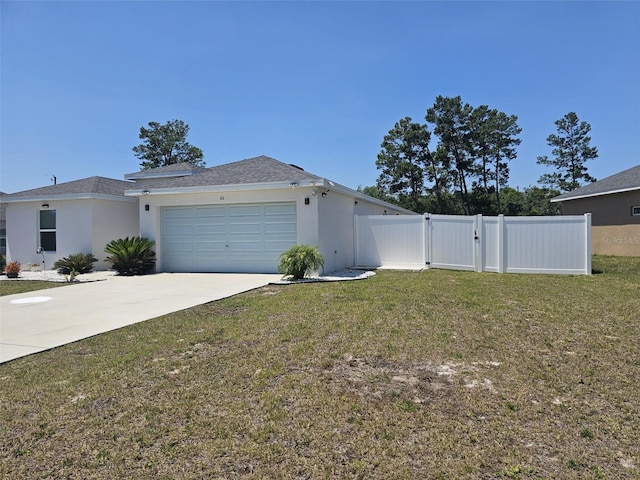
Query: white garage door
[{"x": 227, "y": 238}]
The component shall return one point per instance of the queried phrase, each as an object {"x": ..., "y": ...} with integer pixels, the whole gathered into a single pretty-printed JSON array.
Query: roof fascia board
[
  {"x": 362, "y": 196},
  {"x": 320, "y": 183},
  {"x": 151, "y": 190},
  {"x": 69, "y": 196},
  {"x": 599, "y": 194}
]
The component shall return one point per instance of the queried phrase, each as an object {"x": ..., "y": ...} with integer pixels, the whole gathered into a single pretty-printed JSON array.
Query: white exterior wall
[
  {"x": 82, "y": 225},
  {"x": 337, "y": 230},
  {"x": 112, "y": 219},
  {"x": 306, "y": 215},
  {"x": 335, "y": 212}
]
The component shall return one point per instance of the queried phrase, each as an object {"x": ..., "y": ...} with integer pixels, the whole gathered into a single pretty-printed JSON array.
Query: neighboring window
[
  {"x": 635, "y": 211},
  {"x": 48, "y": 230}
]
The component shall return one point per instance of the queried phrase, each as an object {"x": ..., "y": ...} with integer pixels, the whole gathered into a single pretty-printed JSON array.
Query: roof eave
[
  {"x": 143, "y": 175},
  {"x": 363, "y": 196},
  {"x": 68, "y": 196},
  {"x": 151, "y": 190},
  {"x": 599, "y": 194}
]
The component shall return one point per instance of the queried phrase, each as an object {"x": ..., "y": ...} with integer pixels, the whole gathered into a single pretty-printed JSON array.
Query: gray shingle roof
[
  {"x": 184, "y": 167},
  {"x": 624, "y": 181},
  {"x": 260, "y": 169},
  {"x": 85, "y": 186}
]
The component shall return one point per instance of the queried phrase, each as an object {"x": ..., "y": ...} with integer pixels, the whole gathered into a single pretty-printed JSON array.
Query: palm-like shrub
[
  {"x": 131, "y": 256},
  {"x": 299, "y": 261},
  {"x": 75, "y": 264}
]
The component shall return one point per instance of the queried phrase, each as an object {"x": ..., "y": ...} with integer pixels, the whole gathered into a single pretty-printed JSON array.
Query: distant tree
[
  {"x": 501, "y": 135},
  {"x": 451, "y": 119},
  {"x": 378, "y": 192},
  {"x": 571, "y": 150},
  {"x": 166, "y": 144},
  {"x": 403, "y": 160},
  {"x": 537, "y": 201}
]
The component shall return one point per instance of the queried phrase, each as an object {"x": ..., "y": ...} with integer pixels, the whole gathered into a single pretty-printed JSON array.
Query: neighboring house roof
[
  {"x": 625, "y": 181},
  {"x": 173, "y": 170},
  {"x": 93, "y": 187}
]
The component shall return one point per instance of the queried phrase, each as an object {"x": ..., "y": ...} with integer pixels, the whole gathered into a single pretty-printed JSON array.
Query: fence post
[
  {"x": 477, "y": 244},
  {"x": 587, "y": 245},
  {"x": 428, "y": 242},
  {"x": 355, "y": 241},
  {"x": 500, "y": 245},
  {"x": 424, "y": 239}
]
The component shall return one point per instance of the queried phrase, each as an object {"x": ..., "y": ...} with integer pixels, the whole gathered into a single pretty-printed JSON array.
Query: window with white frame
[
  {"x": 635, "y": 211},
  {"x": 47, "y": 225}
]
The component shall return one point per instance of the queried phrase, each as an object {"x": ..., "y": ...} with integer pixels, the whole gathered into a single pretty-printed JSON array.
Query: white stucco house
[
  {"x": 236, "y": 217},
  {"x": 78, "y": 216}
]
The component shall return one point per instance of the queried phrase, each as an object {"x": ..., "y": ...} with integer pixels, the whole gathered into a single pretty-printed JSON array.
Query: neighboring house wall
[
  {"x": 82, "y": 225},
  {"x": 614, "y": 231}
]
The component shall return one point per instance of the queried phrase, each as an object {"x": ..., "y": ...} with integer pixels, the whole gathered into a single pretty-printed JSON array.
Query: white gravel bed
[
  {"x": 54, "y": 276},
  {"x": 338, "y": 276}
]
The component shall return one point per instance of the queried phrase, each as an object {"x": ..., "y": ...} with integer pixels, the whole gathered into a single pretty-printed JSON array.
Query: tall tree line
[
  {"x": 464, "y": 171},
  {"x": 458, "y": 162}
]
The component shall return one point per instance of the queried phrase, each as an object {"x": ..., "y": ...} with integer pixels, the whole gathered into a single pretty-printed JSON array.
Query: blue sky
[{"x": 317, "y": 84}]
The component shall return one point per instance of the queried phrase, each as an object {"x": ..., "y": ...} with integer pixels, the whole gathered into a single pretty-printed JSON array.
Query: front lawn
[
  {"x": 11, "y": 287},
  {"x": 430, "y": 375}
]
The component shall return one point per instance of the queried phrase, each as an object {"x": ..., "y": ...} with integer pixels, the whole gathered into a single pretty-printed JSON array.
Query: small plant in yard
[
  {"x": 3, "y": 263},
  {"x": 75, "y": 264},
  {"x": 299, "y": 261},
  {"x": 12, "y": 269},
  {"x": 131, "y": 256}
]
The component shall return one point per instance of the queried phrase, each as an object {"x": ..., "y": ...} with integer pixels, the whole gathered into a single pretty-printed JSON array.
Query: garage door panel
[
  {"x": 178, "y": 230},
  {"x": 211, "y": 212},
  {"x": 178, "y": 213},
  {"x": 227, "y": 238},
  {"x": 244, "y": 211},
  {"x": 279, "y": 209},
  {"x": 176, "y": 247},
  {"x": 211, "y": 229},
  {"x": 275, "y": 228},
  {"x": 209, "y": 246}
]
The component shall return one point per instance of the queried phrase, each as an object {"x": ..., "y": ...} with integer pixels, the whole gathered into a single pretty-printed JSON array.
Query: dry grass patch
[{"x": 435, "y": 374}]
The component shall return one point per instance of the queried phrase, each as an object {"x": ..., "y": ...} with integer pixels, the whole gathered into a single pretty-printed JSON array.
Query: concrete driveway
[{"x": 36, "y": 321}]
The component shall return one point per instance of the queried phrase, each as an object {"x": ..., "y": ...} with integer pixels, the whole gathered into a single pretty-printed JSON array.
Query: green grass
[
  {"x": 11, "y": 287},
  {"x": 436, "y": 374}
]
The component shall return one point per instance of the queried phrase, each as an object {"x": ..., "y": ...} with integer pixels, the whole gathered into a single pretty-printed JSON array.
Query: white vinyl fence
[{"x": 555, "y": 244}]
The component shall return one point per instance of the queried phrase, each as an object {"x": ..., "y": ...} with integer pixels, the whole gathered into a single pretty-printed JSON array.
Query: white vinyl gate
[{"x": 554, "y": 244}]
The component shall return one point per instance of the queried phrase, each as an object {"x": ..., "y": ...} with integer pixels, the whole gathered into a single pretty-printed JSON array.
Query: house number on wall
[{"x": 221, "y": 197}]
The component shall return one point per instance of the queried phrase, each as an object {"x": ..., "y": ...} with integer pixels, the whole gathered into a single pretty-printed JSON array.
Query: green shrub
[
  {"x": 3, "y": 263},
  {"x": 131, "y": 256},
  {"x": 75, "y": 264},
  {"x": 299, "y": 261}
]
